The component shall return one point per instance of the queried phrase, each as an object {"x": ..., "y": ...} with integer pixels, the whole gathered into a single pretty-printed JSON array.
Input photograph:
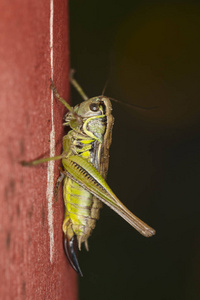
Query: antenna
[
  {"x": 133, "y": 105},
  {"x": 105, "y": 86}
]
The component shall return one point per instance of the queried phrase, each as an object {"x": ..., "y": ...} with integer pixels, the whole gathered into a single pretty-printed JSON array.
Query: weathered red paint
[{"x": 26, "y": 271}]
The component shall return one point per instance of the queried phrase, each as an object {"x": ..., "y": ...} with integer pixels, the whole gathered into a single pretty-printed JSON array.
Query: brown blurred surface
[{"x": 27, "y": 269}]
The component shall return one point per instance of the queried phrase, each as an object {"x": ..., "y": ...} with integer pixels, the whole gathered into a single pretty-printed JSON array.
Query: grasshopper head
[{"x": 93, "y": 108}]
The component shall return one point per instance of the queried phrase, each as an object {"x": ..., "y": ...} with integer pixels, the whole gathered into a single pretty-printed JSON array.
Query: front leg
[{"x": 57, "y": 96}]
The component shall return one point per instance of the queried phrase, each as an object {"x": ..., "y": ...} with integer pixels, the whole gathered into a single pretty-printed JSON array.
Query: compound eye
[{"x": 94, "y": 107}]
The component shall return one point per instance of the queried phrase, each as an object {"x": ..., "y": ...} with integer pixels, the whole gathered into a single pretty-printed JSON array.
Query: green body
[
  {"x": 87, "y": 140},
  {"x": 85, "y": 159}
]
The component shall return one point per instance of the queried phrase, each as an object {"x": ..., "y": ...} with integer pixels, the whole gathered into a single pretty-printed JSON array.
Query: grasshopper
[{"x": 85, "y": 160}]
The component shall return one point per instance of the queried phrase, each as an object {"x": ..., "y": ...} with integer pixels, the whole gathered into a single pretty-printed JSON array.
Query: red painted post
[{"x": 33, "y": 47}]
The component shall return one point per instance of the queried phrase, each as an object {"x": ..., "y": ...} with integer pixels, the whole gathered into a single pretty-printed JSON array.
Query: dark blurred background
[{"x": 150, "y": 53}]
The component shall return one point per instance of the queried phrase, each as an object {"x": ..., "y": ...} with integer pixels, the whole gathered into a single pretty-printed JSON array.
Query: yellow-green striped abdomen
[
  {"x": 86, "y": 140},
  {"x": 81, "y": 211}
]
